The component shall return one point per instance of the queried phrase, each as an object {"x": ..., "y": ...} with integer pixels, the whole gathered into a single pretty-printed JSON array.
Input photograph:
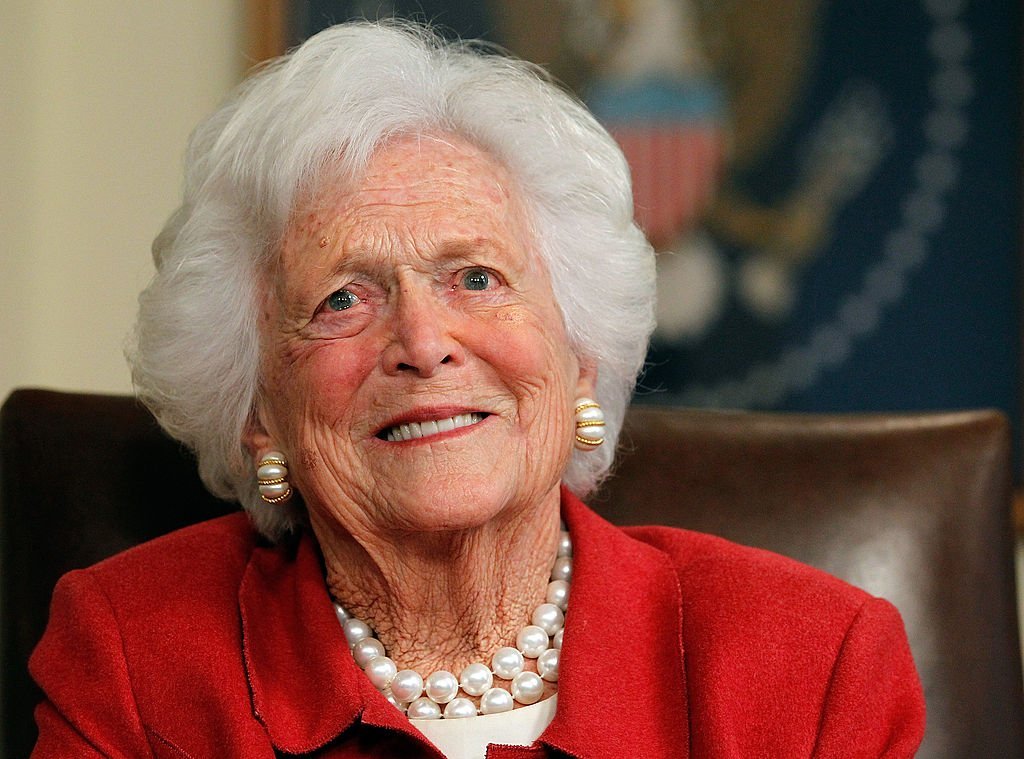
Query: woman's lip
[{"x": 423, "y": 423}]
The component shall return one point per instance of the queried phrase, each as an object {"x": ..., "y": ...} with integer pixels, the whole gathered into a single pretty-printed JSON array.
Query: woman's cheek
[
  {"x": 336, "y": 370},
  {"x": 532, "y": 355},
  {"x": 320, "y": 379}
]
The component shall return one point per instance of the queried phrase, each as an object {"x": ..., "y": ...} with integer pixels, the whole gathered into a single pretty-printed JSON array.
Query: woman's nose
[{"x": 422, "y": 339}]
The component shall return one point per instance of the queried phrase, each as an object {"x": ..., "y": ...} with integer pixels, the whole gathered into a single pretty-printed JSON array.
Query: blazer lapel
[
  {"x": 303, "y": 690},
  {"x": 622, "y": 689}
]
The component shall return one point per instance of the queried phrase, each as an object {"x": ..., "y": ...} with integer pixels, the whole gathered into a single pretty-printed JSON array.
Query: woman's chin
[{"x": 471, "y": 504}]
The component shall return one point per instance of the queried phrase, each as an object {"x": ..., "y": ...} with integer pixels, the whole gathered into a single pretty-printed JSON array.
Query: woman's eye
[
  {"x": 340, "y": 300},
  {"x": 476, "y": 279}
]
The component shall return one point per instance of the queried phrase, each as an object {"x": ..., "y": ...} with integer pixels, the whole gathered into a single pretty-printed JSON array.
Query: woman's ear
[
  {"x": 586, "y": 382},
  {"x": 255, "y": 437}
]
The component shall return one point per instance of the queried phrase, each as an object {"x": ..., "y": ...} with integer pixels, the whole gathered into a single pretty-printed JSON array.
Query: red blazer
[{"x": 210, "y": 643}]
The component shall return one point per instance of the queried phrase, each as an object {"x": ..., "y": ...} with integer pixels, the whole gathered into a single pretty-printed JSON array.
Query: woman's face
[{"x": 416, "y": 368}]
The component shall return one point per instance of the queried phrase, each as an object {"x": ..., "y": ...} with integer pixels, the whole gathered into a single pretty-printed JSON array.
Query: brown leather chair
[{"x": 915, "y": 508}]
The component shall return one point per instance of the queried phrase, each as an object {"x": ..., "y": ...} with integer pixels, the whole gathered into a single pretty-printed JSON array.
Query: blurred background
[
  {"x": 96, "y": 103},
  {"x": 834, "y": 188}
]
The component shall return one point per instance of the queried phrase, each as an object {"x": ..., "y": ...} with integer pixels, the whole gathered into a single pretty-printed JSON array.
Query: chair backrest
[
  {"x": 82, "y": 477},
  {"x": 915, "y": 508}
]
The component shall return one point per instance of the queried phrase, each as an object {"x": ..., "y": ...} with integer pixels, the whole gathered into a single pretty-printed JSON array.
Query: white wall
[{"x": 97, "y": 99}]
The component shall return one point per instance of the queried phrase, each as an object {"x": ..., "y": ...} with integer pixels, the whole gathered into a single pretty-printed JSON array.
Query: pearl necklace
[{"x": 421, "y": 698}]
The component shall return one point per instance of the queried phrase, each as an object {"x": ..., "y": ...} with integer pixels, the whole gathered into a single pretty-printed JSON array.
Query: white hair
[{"x": 326, "y": 107}]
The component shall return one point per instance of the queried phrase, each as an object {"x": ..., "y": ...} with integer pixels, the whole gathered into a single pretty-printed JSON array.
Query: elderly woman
[{"x": 399, "y": 316}]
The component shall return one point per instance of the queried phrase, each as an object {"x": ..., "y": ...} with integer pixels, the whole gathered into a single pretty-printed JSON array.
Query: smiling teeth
[{"x": 415, "y": 430}]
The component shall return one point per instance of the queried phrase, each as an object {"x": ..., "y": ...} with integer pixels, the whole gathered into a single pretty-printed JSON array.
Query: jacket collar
[
  {"x": 306, "y": 688},
  {"x": 622, "y": 685}
]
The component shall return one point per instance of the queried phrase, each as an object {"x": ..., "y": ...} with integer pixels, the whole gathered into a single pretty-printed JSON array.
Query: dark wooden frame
[{"x": 266, "y": 29}]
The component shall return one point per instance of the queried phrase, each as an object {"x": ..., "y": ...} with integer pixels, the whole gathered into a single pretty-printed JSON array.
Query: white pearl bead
[
  {"x": 458, "y": 708},
  {"x": 407, "y": 685},
  {"x": 590, "y": 415},
  {"x": 562, "y": 569},
  {"x": 423, "y": 708},
  {"x": 507, "y": 663},
  {"x": 549, "y": 618},
  {"x": 564, "y": 544},
  {"x": 356, "y": 630},
  {"x": 594, "y": 432},
  {"x": 274, "y": 491},
  {"x": 558, "y": 593},
  {"x": 441, "y": 686},
  {"x": 495, "y": 701},
  {"x": 381, "y": 670},
  {"x": 341, "y": 613},
  {"x": 547, "y": 665},
  {"x": 475, "y": 679},
  {"x": 271, "y": 472},
  {"x": 532, "y": 641},
  {"x": 395, "y": 702},
  {"x": 527, "y": 688},
  {"x": 556, "y": 642},
  {"x": 367, "y": 650}
]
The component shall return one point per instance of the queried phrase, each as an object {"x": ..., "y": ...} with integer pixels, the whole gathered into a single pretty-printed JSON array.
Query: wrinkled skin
[{"x": 418, "y": 296}]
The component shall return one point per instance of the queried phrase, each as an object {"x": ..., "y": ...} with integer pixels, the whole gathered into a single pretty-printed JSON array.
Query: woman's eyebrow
[
  {"x": 470, "y": 248},
  {"x": 366, "y": 260}
]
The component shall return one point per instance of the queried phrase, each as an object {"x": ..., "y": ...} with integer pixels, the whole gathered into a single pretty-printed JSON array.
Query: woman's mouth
[{"x": 400, "y": 433}]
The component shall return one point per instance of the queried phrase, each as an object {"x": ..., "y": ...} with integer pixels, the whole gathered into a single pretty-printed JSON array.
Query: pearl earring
[
  {"x": 589, "y": 424},
  {"x": 272, "y": 476}
]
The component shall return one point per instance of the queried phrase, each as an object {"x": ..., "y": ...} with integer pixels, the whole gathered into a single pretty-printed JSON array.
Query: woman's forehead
[
  {"x": 420, "y": 165},
  {"x": 417, "y": 162},
  {"x": 421, "y": 178}
]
